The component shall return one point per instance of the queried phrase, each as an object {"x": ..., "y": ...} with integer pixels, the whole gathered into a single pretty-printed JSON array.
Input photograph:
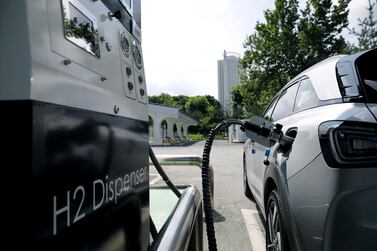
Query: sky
[{"x": 183, "y": 39}]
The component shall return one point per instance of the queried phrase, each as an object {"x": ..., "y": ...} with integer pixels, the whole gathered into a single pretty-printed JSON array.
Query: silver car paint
[
  {"x": 323, "y": 79},
  {"x": 307, "y": 123},
  {"x": 321, "y": 200},
  {"x": 373, "y": 109},
  {"x": 311, "y": 185}
]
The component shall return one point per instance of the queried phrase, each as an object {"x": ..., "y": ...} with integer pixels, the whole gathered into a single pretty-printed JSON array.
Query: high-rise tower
[{"x": 228, "y": 76}]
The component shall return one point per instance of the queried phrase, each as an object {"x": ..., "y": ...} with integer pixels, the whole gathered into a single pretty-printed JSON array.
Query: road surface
[{"x": 237, "y": 223}]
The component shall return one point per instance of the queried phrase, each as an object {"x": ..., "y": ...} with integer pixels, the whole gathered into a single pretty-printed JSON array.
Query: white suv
[{"x": 321, "y": 194}]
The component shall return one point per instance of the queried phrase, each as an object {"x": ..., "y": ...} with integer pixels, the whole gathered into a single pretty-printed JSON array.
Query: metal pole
[{"x": 187, "y": 160}]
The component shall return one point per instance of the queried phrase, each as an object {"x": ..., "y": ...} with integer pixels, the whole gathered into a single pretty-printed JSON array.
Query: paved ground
[{"x": 238, "y": 226}]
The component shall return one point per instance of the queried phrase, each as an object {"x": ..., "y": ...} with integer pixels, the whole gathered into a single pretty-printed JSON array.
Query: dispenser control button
[
  {"x": 141, "y": 80},
  {"x": 125, "y": 44},
  {"x": 128, "y": 71},
  {"x": 130, "y": 86}
]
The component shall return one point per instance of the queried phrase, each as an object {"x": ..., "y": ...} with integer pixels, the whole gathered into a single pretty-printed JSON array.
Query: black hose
[
  {"x": 152, "y": 228},
  {"x": 163, "y": 175},
  {"x": 212, "y": 246}
]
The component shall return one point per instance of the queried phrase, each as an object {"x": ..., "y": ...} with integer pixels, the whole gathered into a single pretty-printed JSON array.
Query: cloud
[
  {"x": 357, "y": 11},
  {"x": 183, "y": 39}
]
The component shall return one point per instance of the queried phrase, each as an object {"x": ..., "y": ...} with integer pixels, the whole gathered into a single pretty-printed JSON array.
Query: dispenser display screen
[{"x": 80, "y": 27}]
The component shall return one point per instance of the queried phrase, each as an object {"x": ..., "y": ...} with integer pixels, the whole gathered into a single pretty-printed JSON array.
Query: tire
[
  {"x": 276, "y": 234},
  {"x": 246, "y": 188}
]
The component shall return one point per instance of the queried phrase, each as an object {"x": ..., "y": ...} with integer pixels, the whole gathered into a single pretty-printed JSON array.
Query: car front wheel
[{"x": 276, "y": 235}]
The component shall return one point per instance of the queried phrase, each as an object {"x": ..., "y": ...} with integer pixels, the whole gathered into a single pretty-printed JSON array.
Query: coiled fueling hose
[
  {"x": 212, "y": 246},
  {"x": 162, "y": 173}
]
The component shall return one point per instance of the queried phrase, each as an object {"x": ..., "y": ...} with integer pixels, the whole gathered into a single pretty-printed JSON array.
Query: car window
[
  {"x": 366, "y": 65},
  {"x": 347, "y": 79},
  {"x": 306, "y": 96},
  {"x": 270, "y": 108},
  {"x": 284, "y": 106}
]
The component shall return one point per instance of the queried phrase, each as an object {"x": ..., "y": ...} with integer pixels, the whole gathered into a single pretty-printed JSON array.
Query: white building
[
  {"x": 228, "y": 76},
  {"x": 168, "y": 123}
]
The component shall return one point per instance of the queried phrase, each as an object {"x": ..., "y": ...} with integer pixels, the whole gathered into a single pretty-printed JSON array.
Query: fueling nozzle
[
  {"x": 267, "y": 133},
  {"x": 263, "y": 131}
]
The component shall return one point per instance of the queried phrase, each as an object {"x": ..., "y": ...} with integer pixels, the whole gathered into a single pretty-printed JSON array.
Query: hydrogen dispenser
[{"x": 73, "y": 105}]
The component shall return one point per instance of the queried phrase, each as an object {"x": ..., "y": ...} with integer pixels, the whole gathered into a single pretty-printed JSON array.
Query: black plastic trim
[
  {"x": 330, "y": 147},
  {"x": 54, "y": 154},
  {"x": 124, "y": 18}
]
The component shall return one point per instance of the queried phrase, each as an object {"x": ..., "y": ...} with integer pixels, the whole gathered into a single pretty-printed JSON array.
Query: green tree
[
  {"x": 198, "y": 107},
  {"x": 180, "y": 102},
  {"x": 367, "y": 32},
  {"x": 237, "y": 98},
  {"x": 163, "y": 99},
  {"x": 270, "y": 56},
  {"x": 206, "y": 109},
  {"x": 216, "y": 114},
  {"x": 319, "y": 30},
  {"x": 284, "y": 45}
]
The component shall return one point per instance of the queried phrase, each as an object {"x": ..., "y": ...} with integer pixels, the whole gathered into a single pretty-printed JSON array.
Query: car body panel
[
  {"x": 321, "y": 203},
  {"x": 353, "y": 209},
  {"x": 323, "y": 77},
  {"x": 318, "y": 210},
  {"x": 310, "y": 213},
  {"x": 307, "y": 123},
  {"x": 276, "y": 172},
  {"x": 373, "y": 109}
]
